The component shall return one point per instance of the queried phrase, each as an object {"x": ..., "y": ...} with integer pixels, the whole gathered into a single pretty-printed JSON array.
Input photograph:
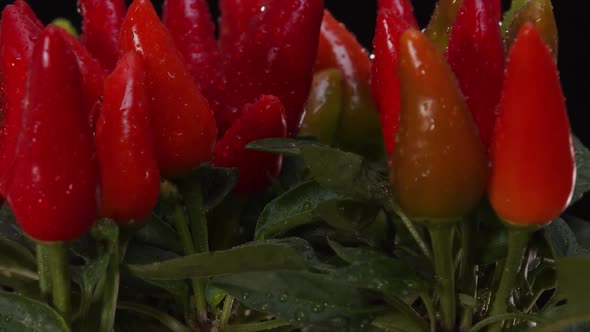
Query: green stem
[
  {"x": 225, "y": 312},
  {"x": 57, "y": 260},
  {"x": 192, "y": 194},
  {"x": 111, "y": 289},
  {"x": 500, "y": 318},
  {"x": 43, "y": 271},
  {"x": 442, "y": 248},
  {"x": 408, "y": 312},
  {"x": 412, "y": 229},
  {"x": 429, "y": 310},
  {"x": 468, "y": 278},
  {"x": 181, "y": 225},
  {"x": 165, "y": 319},
  {"x": 259, "y": 326},
  {"x": 517, "y": 242}
]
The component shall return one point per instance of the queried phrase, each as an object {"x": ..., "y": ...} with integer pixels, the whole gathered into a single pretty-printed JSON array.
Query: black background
[{"x": 359, "y": 17}]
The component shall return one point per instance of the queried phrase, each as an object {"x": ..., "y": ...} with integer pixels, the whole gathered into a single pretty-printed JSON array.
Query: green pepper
[
  {"x": 324, "y": 105},
  {"x": 540, "y": 13},
  {"x": 439, "y": 167}
]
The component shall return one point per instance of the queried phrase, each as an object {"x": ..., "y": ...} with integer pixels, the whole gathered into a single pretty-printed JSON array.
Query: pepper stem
[
  {"x": 225, "y": 312},
  {"x": 468, "y": 278},
  {"x": 517, "y": 242},
  {"x": 57, "y": 261},
  {"x": 43, "y": 271},
  {"x": 442, "y": 250}
]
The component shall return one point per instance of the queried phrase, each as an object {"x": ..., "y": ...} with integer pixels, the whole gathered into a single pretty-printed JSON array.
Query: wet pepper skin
[
  {"x": 54, "y": 180},
  {"x": 439, "y": 166},
  {"x": 235, "y": 18},
  {"x": 476, "y": 55},
  {"x": 18, "y": 34},
  {"x": 264, "y": 118},
  {"x": 359, "y": 128},
  {"x": 183, "y": 125},
  {"x": 130, "y": 178},
  {"x": 533, "y": 165},
  {"x": 384, "y": 79},
  {"x": 101, "y": 23}
]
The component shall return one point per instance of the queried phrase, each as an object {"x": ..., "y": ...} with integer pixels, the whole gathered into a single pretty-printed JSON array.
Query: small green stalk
[
  {"x": 57, "y": 260},
  {"x": 468, "y": 278},
  {"x": 518, "y": 239},
  {"x": 442, "y": 251},
  {"x": 43, "y": 271},
  {"x": 225, "y": 313}
]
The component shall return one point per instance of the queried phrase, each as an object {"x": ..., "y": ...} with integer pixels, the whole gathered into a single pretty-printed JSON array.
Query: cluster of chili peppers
[{"x": 135, "y": 99}]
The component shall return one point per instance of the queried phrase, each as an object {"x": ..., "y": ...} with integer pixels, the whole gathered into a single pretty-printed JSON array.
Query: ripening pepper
[
  {"x": 54, "y": 181},
  {"x": 189, "y": 23},
  {"x": 101, "y": 24},
  {"x": 441, "y": 21},
  {"x": 323, "y": 107},
  {"x": 476, "y": 55},
  {"x": 439, "y": 166},
  {"x": 18, "y": 34},
  {"x": 183, "y": 125},
  {"x": 92, "y": 75},
  {"x": 235, "y": 18},
  {"x": 130, "y": 179},
  {"x": 265, "y": 118},
  {"x": 384, "y": 79},
  {"x": 540, "y": 12},
  {"x": 359, "y": 129},
  {"x": 401, "y": 8},
  {"x": 274, "y": 56},
  {"x": 28, "y": 11},
  {"x": 533, "y": 166}
]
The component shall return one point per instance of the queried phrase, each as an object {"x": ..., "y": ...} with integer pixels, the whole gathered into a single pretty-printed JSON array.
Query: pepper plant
[{"x": 275, "y": 176}]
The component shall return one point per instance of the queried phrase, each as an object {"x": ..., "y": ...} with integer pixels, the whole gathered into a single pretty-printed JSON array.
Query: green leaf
[
  {"x": 354, "y": 255},
  {"x": 563, "y": 240},
  {"x": 218, "y": 182},
  {"x": 163, "y": 318},
  {"x": 572, "y": 295},
  {"x": 16, "y": 260},
  {"x": 303, "y": 298},
  {"x": 582, "y": 169},
  {"x": 9, "y": 228},
  {"x": 291, "y": 209},
  {"x": 398, "y": 322},
  {"x": 87, "y": 278},
  {"x": 581, "y": 229},
  {"x": 259, "y": 256},
  {"x": 343, "y": 172},
  {"x": 158, "y": 233},
  {"x": 22, "y": 314},
  {"x": 346, "y": 214}
]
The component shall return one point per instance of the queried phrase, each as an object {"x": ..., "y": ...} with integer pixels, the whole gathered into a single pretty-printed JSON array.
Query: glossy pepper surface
[
  {"x": 359, "y": 128},
  {"x": 441, "y": 21},
  {"x": 183, "y": 125},
  {"x": 401, "y": 8},
  {"x": 130, "y": 179},
  {"x": 533, "y": 165},
  {"x": 384, "y": 79},
  {"x": 476, "y": 55},
  {"x": 265, "y": 118},
  {"x": 323, "y": 107},
  {"x": 189, "y": 23},
  {"x": 235, "y": 18},
  {"x": 18, "y": 34},
  {"x": 540, "y": 12},
  {"x": 439, "y": 166},
  {"x": 54, "y": 182},
  {"x": 28, "y": 11},
  {"x": 101, "y": 24},
  {"x": 274, "y": 56}
]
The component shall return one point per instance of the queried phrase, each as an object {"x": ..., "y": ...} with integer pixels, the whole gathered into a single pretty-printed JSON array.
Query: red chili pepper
[
  {"x": 235, "y": 18},
  {"x": 476, "y": 55},
  {"x": 274, "y": 56},
  {"x": 439, "y": 166},
  {"x": 359, "y": 128},
  {"x": 28, "y": 11},
  {"x": 54, "y": 181},
  {"x": 129, "y": 172},
  {"x": 92, "y": 75},
  {"x": 183, "y": 125},
  {"x": 101, "y": 23},
  {"x": 533, "y": 166},
  {"x": 264, "y": 118},
  {"x": 18, "y": 34},
  {"x": 189, "y": 22},
  {"x": 401, "y": 8},
  {"x": 389, "y": 28}
]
